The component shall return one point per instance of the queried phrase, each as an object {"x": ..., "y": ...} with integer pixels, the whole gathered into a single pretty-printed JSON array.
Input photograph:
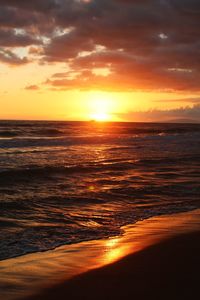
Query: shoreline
[
  {"x": 122, "y": 228},
  {"x": 32, "y": 273}
]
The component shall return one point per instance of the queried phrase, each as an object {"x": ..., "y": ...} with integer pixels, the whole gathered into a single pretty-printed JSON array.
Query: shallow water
[{"x": 66, "y": 182}]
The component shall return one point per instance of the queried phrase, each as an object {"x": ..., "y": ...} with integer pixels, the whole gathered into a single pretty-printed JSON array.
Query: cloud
[
  {"x": 11, "y": 17},
  {"x": 8, "y": 57},
  {"x": 187, "y": 6},
  {"x": 36, "y": 5},
  {"x": 193, "y": 100},
  {"x": 32, "y": 87},
  {"x": 12, "y": 38},
  {"x": 184, "y": 114},
  {"x": 147, "y": 44},
  {"x": 67, "y": 46}
]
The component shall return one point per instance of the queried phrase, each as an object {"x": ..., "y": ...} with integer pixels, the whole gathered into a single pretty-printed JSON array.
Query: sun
[
  {"x": 101, "y": 107},
  {"x": 100, "y": 117}
]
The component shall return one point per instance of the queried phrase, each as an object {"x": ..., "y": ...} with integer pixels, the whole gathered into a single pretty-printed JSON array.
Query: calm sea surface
[{"x": 66, "y": 182}]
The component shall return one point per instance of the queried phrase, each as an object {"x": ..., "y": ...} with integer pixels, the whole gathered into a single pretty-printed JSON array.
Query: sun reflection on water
[{"x": 114, "y": 250}]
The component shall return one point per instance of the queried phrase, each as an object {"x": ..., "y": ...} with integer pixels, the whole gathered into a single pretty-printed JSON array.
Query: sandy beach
[
  {"x": 166, "y": 270},
  {"x": 163, "y": 264}
]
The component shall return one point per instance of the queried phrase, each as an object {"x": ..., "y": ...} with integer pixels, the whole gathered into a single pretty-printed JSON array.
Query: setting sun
[
  {"x": 101, "y": 106},
  {"x": 101, "y": 116}
]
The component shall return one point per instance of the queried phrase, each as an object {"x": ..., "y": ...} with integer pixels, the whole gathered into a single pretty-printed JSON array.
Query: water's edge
[{"x": 28, "y": 274}]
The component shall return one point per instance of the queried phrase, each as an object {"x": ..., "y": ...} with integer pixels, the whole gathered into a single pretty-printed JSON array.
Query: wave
[
  {"x": 8, "y": 134},
  {"x": 48, "y": 132},
  {"x": 30, "y": 173},
  {"x": 110, "y": 140},
  {"x": 74, "y": 129},
  {"x": 12, "y": 176},
  {"x": 42, "y": 237}
]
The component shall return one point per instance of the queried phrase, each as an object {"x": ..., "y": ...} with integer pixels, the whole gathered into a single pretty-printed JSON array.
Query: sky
[{"x": 120, "y": 60}]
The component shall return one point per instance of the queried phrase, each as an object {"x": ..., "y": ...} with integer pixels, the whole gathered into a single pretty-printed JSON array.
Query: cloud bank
[{"x": 184, "y": 114}]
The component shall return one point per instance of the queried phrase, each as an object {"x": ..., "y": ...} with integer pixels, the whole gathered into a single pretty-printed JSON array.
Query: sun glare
[
  {"x": 101, "y": 107},
  {"x": 101, "y": 117}
]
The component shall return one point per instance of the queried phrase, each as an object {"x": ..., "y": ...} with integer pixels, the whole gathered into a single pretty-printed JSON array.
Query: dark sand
[{"x": 169, "y": 269}]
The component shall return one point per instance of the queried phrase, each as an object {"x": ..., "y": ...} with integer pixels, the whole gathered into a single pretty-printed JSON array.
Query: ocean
[{"x": 67, "y": 182}]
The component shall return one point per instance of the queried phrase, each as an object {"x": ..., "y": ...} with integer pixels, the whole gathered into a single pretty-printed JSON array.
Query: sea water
[{"x": 66, "y": 182}]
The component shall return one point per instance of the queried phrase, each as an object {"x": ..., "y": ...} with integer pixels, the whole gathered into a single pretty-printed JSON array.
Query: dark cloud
[
  {"x": 68, "y": 46},
  {"x": 146, "y": 44},
  {"x": 186, "y": 6},
  {"x": 8, "y": 57},
  {"x": 37, "y": 5},
  {"x": 12, "y": 38},
  {"x": 11, "y": 17}
]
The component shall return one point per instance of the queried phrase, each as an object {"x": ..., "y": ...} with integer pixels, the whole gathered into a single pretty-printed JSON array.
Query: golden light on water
[{"x": 114, "y": 250}]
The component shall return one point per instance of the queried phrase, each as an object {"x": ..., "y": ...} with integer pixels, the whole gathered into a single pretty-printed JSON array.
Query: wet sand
[
  {"x": 165, "y": 270},
  {"x": 164, "y": 264}
]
